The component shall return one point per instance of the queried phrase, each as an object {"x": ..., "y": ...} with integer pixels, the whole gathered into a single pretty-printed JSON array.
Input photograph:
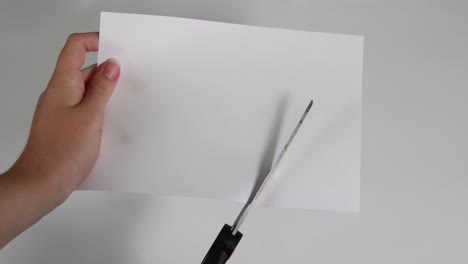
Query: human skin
[{"x": 64, "y": 139}]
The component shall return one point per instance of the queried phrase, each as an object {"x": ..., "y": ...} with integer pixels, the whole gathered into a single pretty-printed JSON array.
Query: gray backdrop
[{"x": 414, "y": 155}]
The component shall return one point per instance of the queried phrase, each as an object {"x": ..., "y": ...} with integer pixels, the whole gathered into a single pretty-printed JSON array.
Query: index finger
[{"x": 73, "y": 54}]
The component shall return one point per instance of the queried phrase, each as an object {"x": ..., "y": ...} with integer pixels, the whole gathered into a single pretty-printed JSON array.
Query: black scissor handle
[{"x": 223, "y": 246}]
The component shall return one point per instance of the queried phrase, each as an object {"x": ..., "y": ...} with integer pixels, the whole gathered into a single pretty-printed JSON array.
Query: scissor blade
[{"x": 243, "y": 213}]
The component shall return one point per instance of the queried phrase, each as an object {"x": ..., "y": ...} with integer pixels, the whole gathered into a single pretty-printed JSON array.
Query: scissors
[{"x": 229, "y": 236}]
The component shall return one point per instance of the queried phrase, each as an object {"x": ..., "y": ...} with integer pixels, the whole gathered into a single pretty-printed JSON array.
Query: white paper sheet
[{"x": 202, "y": 106}]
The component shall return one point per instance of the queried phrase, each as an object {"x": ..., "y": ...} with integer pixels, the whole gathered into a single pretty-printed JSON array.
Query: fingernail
[{"x": 111, "y": 69}]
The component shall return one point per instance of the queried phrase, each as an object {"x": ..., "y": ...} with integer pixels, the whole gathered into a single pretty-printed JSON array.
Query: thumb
[{"x": 100, "y": 86}]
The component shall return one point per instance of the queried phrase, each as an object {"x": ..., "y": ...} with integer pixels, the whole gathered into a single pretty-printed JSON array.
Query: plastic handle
[
  {"x": 223, "y": 246},
  {"x": 215, "y": 256}
]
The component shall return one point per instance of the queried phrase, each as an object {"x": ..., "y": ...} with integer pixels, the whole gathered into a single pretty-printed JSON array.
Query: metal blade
[{"x": 240, "y": 218}]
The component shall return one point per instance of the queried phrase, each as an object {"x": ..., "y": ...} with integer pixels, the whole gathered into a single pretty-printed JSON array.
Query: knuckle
[
  {"x": 45, "y": 99},
  {"x": 42, "y": 97},
  {"x": 43, "y": 94},
  {"x": 73, "y": 37},
  {"x": 46, "y": 94}
]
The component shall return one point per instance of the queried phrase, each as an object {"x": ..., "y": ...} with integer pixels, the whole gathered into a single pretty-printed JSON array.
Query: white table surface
[{"x": 415, "y": 147}]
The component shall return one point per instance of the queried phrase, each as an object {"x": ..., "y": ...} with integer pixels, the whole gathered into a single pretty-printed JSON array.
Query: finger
[
  {"x": 87, "y": 72},
  {"x": 73, "y": 54},
  {"x": 101, "y": 85}
]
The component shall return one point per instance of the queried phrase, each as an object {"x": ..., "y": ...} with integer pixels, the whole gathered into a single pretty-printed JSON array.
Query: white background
[{"x": 415, "y": 147}]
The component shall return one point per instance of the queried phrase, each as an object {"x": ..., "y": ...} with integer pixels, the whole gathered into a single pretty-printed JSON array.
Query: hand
[
  {"x": 64, "y": 139},
  {"x": 67, "y": 126}
]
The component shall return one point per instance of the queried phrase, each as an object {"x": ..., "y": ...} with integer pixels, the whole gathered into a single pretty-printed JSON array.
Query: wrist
[
  {"x": 38, "y": 183},
  {"x": 24, "y": 199}
]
